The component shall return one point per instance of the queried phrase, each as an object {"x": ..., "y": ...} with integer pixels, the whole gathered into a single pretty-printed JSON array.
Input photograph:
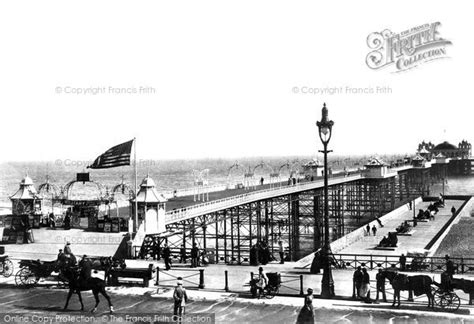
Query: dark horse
[
  {"x": 420, "y": 285},
  {"x": 78, "y": 284},
  {"x": 465, "y": 285}
]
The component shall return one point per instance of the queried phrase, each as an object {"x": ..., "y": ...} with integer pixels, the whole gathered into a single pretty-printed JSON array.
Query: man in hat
[
  {"x": 167, "y": 256},
  {"x": 194, "y": 256},
  {"x": 357, "y": 279},
  {"x": 380, "y": 278},
  {"x": 68, "y": 254},
  {"x": 180, "y": 299},
  {"x": 450, "y": 269}
]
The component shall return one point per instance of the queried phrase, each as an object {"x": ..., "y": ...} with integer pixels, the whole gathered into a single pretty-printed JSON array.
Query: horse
[
  {"x": 78, "y": 284},
  {"x": 465, "y": 285},
  {"x": 419, "y": 284}
]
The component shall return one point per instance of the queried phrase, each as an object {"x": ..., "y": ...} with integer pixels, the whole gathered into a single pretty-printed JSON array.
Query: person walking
[
  {"x": 380, "y": 278},
  {"x": 410, "y": 204},
  {"x": 166, "y": 256},
  {"x": 357, "y": 280},
  {"x": 194, "y": 256},
  {"x": 182, "y": 254},
  {"x": 403, "y": 262},
  {"x": 367, "y": 229},
  {"x": 281, "y": 252},
  {"x": 374, "y": 230},
  {"x": 365, "y": 288},
  {"x": 180, "y": 299},
  {"x": 306, "y": 314},
  {"x": 453, "y": 210}
]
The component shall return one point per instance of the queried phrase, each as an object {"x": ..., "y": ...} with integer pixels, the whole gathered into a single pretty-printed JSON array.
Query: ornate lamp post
[{"x": 325, "y": 132}]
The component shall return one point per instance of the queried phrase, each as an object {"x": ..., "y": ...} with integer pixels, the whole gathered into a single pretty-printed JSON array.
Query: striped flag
[{"x": 116, "y": 156}]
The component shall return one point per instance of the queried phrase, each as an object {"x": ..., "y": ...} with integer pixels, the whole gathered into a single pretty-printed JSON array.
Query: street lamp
[{"x": 325, "y": 132}]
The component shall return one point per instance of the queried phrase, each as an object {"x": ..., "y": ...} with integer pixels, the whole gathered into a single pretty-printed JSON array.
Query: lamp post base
[{"x": 327, "y": 285}]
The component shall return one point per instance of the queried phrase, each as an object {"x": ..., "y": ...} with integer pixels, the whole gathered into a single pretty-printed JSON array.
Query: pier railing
[
  {"x": 224, "y": 203},
  {"x": 413, "y": 263}
]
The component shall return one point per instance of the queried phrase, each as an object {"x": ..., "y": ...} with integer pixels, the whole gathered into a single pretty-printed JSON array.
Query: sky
[{"x": 204, "y": 79}]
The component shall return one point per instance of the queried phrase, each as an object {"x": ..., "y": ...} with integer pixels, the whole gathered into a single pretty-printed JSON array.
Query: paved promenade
[{"x": 420, "y": 236}]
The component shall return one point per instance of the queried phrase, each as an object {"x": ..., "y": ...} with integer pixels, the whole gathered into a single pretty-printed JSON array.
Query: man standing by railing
[
  {"x": 194, "y": 256},
  {"x": 380, "y": 278},
  {"x": 357, "y": 278},
  {"x": 167, "y": 256}
]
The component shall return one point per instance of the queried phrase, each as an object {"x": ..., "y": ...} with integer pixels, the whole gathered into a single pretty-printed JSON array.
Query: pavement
[
  {"x": 419, "y": 237},
  {"x": 293, "y": 280}
]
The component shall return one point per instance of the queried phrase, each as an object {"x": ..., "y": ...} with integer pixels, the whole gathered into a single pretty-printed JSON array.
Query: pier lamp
[{"x": 325, "y": 132}]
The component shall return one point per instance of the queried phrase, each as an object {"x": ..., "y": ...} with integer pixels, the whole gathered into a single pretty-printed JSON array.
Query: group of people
[
  {"x": 260, "y": 253},
  {"x": 361, "y": 279},
  {"x": 389, "y": 241},
  {"x": 67, "y": 259},
  {"x": 67, "y": 220},
  {"x": 198, "y": 258},
  {"x": 368, "y": 229},
  {"x": 404, "y": 227}
]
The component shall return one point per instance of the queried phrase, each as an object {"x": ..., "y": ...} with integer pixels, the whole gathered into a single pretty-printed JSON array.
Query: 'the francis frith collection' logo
[{"x": 407, "y": 49}]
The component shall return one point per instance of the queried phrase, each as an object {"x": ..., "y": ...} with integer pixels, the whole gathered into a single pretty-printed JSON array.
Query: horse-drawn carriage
[
  {"x": 31, "y": 271},
  {"x": 439, "y": 295}
]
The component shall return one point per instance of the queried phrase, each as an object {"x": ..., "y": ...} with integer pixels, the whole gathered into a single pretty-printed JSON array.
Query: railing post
[
  {"x": 226, "y": 288},
  {"x": 371, "y": 263},
  {"x": 301, "y": 285},
  {"x": 157, "y": 276},
  {"x": 462, "y": 265},
  {"x": 201, "y": 278}
]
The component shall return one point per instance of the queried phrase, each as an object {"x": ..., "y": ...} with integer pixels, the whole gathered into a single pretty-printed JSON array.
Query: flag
[{"x": 116, "y": 156}]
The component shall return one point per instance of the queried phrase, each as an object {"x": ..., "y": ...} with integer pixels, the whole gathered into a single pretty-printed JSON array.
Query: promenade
[
  {"x": 415, "y": 241},
  {"x": 294, "y": 280}
]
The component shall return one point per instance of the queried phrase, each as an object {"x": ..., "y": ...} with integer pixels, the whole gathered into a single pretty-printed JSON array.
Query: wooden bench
[{"x": 141, "y": 273}]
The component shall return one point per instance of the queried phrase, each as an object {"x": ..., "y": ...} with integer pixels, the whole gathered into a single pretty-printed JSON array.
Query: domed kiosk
[{"x": 151, "y": 207}]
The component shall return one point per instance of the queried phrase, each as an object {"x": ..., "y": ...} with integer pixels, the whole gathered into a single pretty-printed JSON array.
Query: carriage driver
[{"x": 68, "y": 253}]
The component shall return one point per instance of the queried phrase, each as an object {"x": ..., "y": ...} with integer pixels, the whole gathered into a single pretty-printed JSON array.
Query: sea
[{"x": 180, "y": 174}]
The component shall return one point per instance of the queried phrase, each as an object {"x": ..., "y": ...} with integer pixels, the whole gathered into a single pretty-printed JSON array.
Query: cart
[{"x": 31, "y": 271}]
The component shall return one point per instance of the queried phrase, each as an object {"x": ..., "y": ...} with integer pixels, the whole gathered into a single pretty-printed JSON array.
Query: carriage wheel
[
  {"x": 7, "y": 268},
  {"x": 271, "y": 292},
  {"x": 450, "y": 302},
  {"x": 438, "y": 297},
  {"x": 26, "y": 278}
]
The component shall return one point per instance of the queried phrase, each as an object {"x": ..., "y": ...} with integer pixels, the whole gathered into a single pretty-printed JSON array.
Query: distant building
[{"x": 446, "y": 149}]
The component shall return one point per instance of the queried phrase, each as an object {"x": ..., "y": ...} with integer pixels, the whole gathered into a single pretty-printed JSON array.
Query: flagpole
[{"x": 135, "y": 223}]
